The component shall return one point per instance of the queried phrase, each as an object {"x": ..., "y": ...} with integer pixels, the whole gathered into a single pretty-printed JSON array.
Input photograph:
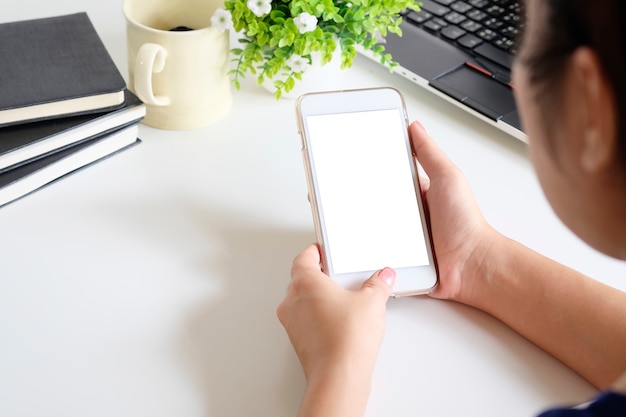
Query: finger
[
  {"x": 424, "y": 184},
  {"x": 429, "y": 155},
  {"x": 306, "y": 260},
  {"x": 381, "y": 282}
]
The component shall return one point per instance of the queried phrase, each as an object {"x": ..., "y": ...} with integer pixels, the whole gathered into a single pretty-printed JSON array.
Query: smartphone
[{"x": 363, "y": 188}]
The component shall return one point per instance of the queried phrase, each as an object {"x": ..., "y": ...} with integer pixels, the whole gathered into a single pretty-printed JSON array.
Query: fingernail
[
  {"x": 417, "y": 122},
  {"x": 388, "y": 276}
]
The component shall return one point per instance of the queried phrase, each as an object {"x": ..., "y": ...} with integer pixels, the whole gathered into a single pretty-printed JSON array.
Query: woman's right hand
[{"x": 460, "y": 234}]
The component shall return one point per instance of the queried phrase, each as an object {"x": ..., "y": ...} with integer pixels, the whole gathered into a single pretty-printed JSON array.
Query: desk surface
[{"x": 147, "y": 284}]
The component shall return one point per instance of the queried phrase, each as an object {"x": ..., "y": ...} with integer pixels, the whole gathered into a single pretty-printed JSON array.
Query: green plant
[{"x": 279, "y": 36}]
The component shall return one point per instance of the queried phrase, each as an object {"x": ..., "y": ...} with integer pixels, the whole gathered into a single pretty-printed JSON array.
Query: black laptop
[{"x": 462, "y": 51}]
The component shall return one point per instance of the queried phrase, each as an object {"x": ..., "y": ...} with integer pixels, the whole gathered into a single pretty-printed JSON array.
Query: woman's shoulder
[{"x": 608, "y": 404}]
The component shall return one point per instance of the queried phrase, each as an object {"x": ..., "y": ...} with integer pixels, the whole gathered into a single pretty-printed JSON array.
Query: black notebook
[
  {"x": 24, "y": 142},
  {"x": 55, "y": 66},
  {"x": 30, "y": 177}
]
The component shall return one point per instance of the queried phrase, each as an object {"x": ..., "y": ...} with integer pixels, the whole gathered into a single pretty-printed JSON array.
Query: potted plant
[{"x": 279, "y": 37}]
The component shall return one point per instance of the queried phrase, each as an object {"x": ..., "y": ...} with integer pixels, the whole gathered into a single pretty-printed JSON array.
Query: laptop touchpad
[{"x": 477, "y": 90}]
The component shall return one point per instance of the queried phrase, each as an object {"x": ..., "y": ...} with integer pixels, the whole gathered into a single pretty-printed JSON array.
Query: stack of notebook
[{"x": 63, "y": 103}]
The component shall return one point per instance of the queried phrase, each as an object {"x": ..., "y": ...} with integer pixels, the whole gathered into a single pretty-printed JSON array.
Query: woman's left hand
[{"x": 336, "y": 333}]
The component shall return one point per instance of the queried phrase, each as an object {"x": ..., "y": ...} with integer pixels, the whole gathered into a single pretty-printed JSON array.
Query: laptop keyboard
[{"x": 487, "y": 28}]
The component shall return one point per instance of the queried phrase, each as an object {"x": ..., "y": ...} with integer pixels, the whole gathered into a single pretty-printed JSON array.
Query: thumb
[
  {"x": 381, "y": 282},
  {"x": 430, "y": 156}
]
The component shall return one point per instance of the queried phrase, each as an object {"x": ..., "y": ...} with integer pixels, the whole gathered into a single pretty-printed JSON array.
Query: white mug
[{"x": 177, "y": 62}]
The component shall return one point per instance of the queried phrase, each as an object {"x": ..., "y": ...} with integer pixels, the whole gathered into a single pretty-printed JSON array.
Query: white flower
[
  {"x": 222, "y": 20},
  {"x": 305, "y": 22},
  {"x": 260, "y": 7},
  {"x": 297, "y": 63}
]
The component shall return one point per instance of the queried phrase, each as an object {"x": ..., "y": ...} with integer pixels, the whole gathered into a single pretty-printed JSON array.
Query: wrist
[
  {"x": 341, "y": 389},
  {"x": 480, "y": 270}
]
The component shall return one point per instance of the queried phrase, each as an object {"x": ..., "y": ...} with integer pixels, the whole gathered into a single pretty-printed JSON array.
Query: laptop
[{"x": 462, "y": 51}]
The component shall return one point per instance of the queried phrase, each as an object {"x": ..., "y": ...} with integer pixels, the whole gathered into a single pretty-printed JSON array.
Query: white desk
[{"x": 146, "y": 285}]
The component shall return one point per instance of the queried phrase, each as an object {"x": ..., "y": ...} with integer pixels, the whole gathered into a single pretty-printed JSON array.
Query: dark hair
[{"x": 567, "y": 25}]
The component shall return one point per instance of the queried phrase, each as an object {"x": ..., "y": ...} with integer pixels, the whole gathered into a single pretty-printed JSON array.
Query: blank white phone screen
[{"x": 368, "y": 199}]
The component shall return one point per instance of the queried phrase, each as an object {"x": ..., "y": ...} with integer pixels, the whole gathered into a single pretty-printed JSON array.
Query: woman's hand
[
  {"x": 336, "y": 333},
  {"x": 459, "y": 231},
  {"x": 523, "y": 289}
]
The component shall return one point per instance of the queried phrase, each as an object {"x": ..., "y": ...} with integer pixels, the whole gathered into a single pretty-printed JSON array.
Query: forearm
[
  {"x": 341, "y": 391},
  {"x": 580, "y": 321}
]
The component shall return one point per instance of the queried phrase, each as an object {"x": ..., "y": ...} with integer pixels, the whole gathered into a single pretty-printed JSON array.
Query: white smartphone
[{"x": 364, "y": 188}]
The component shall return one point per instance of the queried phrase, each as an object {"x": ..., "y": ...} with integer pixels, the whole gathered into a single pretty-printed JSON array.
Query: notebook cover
[
  {"x": 52, "y": 59},
  {"x": 24, "y": 142},
  {"x": 121, "y": 139}
]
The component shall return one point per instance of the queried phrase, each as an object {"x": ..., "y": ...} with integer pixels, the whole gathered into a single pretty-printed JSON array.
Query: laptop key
[
  {"x": 509, "y": 32},
  {"x": 495, "y": 10},
  {"x": 493, "y": 23},
  {"x": 503, "y": 43},
  {"x": 479, "y": 3},
  {"x": 418, "y": 17},
  {"x": 477, "y": 15},
  {"x": 487, "y": 34},
  {"x": 455, "y": 18},
  {"x": 512, "y": 19},
  {"x": 440, "y": 22},
  {"x": 469, "y": 41},
  {"x": 471, "y": 26},
  {"x": 461, "y": 7},
  {"x": 433, "y": 26},
  {"x": 434, "y": 8},
  {"x": 452, "y": 32}
]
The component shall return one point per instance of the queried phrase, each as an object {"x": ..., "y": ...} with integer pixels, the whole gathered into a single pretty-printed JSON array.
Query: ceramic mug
[{"x": 177, "y": 62}]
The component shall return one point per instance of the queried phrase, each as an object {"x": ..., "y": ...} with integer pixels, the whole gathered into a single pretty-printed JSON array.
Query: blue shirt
[{"x": 607, "y": 404}]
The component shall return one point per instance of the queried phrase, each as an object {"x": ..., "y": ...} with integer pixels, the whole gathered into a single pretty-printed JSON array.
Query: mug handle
[{"x": 150, "y": 59}]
